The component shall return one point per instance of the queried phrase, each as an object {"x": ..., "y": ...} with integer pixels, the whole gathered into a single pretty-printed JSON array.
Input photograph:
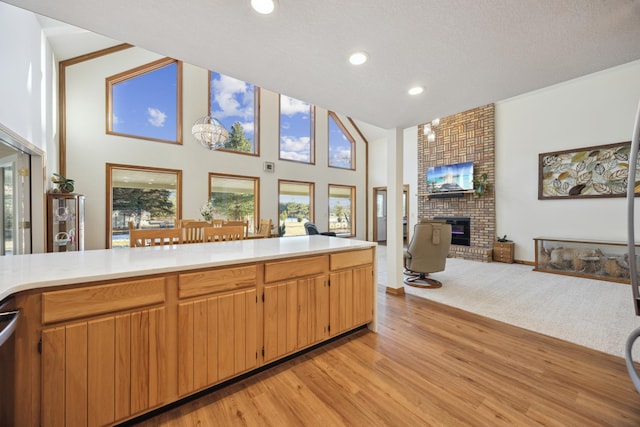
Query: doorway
[{"x": 380, "y": 216}]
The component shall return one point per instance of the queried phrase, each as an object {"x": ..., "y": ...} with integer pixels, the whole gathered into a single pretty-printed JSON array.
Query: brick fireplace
[{"x": 464, "y": 137}]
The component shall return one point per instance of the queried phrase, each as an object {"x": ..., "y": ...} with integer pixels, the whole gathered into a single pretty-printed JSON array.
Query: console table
[{"x": 593, "y": 259}]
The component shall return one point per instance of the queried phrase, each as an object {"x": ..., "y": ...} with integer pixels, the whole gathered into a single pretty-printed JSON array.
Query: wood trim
[
  {"x": 62, "y": 98},
  {"x": 395, "y": 291},
  {"x": 366, "y": 177}
]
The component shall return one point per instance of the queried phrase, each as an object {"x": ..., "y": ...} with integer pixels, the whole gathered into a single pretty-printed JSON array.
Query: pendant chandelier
[{"x": 210, "y": 133}]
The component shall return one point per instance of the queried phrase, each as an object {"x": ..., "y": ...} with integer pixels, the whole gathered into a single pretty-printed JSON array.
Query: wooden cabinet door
[
  {"x": 350, "y": 299},
  {"x": 363, "y": 288},
  {"x": 296, "y": 315},
  {"x": 313, "y": 311},
  {"x": 217, "y": 339},
  {"x": 280, "y": 319},
  {"x": 99, "y": 371}
]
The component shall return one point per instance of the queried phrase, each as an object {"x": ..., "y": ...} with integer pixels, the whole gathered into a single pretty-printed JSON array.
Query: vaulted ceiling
[{"x": 465, "y": 53}]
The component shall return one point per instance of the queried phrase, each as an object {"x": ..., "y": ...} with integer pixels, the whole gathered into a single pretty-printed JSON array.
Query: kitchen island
[{"x": 108, "y": 335}]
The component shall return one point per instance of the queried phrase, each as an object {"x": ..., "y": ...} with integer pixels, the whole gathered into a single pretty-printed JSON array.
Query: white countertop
[{"x": 24, "y": 272}]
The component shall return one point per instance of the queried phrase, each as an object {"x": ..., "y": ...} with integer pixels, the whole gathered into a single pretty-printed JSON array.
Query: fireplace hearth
[{"x": 460, "y": 229}]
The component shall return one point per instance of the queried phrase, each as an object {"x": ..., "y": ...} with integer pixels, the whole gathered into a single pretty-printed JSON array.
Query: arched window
[{"x": 341, "y": 144}]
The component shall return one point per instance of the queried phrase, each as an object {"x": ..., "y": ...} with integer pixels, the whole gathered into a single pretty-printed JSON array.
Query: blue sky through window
[
  {"x": 339, "y": 146},
  {"x": 232, "y": 100},
  {"x": 295, "y": 129},
  {"x": 146, "y": 105}
]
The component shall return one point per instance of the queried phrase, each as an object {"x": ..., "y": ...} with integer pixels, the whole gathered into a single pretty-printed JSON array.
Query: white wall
[
  {"x": 89, "y": 148},
  {"x": 28, "y": 77},
  {"x": 378, "y": 172},
  {"x": 410, "y": 175},
  {"x": 28, "y": 118},
  {"x": 592, "y": 110}
]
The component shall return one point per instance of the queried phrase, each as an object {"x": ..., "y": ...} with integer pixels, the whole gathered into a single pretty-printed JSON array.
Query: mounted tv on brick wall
[{"x": 456, "y": 177}]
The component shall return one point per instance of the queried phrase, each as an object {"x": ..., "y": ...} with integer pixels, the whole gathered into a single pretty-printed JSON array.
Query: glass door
[{"x": 15, "y": 215}]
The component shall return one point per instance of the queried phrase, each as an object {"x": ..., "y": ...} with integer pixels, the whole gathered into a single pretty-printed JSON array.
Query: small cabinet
[
  {"x": 65, "y": 222},
  {"x": 503, "y": 251}
]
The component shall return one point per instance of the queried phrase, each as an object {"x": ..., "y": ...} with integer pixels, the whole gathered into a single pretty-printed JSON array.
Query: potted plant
[
  {"x": 64, "y": 185},
  {"x": 481, "y": 184}
]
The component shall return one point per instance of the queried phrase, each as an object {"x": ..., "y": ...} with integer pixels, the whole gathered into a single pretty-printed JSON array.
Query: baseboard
[{"x": 395, "y": 291}]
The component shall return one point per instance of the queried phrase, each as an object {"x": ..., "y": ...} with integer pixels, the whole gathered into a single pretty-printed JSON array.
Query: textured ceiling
[{"x": 465, "y": 53}]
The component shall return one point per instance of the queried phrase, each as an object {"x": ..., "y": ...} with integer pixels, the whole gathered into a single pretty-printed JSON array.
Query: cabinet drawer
[
  {"x": 299, "y": 267},
  {"x": 219, "y": 280},
  {"x": 503, "y": 252},
  {"x": 351, "y": 259},
  {"x": 99, "y": 299}
]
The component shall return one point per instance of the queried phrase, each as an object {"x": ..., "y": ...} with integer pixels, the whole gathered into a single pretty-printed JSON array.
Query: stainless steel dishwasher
[{"x": 9, "y": 317}]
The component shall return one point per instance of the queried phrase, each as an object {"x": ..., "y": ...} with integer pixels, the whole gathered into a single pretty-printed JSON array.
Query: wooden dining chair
[
  {"x": 154, "y": 237},
  {"x": 193, "y": 231},
  {"x": 223, "y": 234},
  {"x": 181, "y": 222},
  {"x": 243, "y": 224}
]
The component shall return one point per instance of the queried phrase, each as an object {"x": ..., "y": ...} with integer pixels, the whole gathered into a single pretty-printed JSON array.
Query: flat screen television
[{"x": 455, "y": 177}]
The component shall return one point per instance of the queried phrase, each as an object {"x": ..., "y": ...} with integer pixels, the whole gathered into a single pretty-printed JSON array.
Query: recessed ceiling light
[
  {"x": 358, "y": 58},
  {"x": 417, "y": 90},
  {"x": 263, "y": 7}
]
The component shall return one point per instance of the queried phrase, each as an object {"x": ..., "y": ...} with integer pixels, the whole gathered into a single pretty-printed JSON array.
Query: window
[
  {"x": 146, "y": 102},
  {"x": 296, "y": 130},
  {"x": 341, "y": 144},
  {"x": 235, "y": 198},
  {"x": 235, "y": 103},
  {"x": 148, "y": 197},
  {"x": 341, "y": 209},
  {"x": 296, "y": 206}
]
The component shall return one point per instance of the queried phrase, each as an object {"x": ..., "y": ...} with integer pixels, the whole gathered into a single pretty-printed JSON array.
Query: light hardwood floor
[{"x": 429, "y": 365}]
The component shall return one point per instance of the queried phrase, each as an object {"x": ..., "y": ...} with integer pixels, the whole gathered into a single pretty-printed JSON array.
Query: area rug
[{"x": 593, "y": 313}]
